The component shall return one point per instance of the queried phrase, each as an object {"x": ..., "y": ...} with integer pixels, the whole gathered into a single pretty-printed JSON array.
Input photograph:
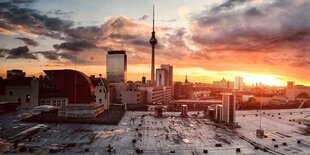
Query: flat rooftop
[{"x": 141, "y": 130}]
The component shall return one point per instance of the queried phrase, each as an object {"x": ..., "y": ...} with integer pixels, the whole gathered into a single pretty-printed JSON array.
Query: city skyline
[{"x": 200, "y": 40}]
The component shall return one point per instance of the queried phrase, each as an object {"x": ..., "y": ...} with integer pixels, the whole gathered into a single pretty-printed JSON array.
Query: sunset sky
[{"x": 262, "y": 40}]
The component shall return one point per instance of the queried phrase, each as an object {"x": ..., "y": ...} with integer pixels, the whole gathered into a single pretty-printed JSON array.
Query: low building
[
  {"x": 23, "y": 90},
  {"x": 154, "y": 95},
  {"x": 133, "y": 97}
]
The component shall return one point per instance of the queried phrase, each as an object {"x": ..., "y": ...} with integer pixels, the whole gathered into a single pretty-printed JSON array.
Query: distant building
[
  {"x": 161, "y": 77},
  {"x": 183, "y": 90},
  {"x": 154, "y": 95},
  {"x": 169, "y": 69},
  {"x": 15, "y": 73},
  {"x": 238, "y": 84},
  {"x": 220, "y": 84},
  {"x": 133, "y": 96},
  {"x": 229, "y": 107},
  {"x": 116, "y": 66},
  {"x": 164, "y": 75}
]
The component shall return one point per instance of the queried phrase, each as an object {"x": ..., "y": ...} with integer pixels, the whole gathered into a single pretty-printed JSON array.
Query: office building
[
  {"x": 169, "y": 70},
  {"x": 229, "y": 107},
  {"x": 154, "y": 95},
  {"x": 15, "y": 73},
  {"x": 161, "y": 77},
  {"x": 116, "y": 66},
  {"x": 219, "y": 112},
  {"x": 238, "y": 83}
]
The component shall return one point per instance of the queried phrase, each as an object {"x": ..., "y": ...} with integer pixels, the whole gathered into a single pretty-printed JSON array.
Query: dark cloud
[
  {"x": 144, "y": 17},
  {"x": 31, "y": 21},
  {"x": 229, "y": 4},
  {"x": 28, "y": 41},
  {"x": 255, "y": 29},
  {"x": 50, "y": 55},
  {"x": 75, "y": 45},
  {"x": 21, "y": 52}
]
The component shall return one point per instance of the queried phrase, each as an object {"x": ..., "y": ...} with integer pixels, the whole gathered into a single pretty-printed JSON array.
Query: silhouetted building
[
  {"x": 116, "y": 66},
  {"x": 22, "y": 90},
  {"x": 220, "y": 84},
  {"x": 143, "y": 79},
  {"x": 15, "y": 73},
  {"x": 183, "y": 90}
]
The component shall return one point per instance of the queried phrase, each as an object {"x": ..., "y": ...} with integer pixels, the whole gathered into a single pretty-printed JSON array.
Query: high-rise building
[
  {"x": 169, "y": 70},
  {"x": 153, "y": 42},
  {"x": 229, "y": 107},
  {"x": 116, "y": 66},
  {"x": 238, "y": 84},
  {"x": 161, "y": 77},
  {"x": 15, "y": 73}
]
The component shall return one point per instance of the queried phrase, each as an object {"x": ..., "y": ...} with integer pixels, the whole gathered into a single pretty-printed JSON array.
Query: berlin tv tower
[{"x": 153, "y": 42}]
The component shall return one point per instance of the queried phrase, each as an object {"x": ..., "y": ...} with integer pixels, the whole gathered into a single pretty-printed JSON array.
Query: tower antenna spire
[{"x": 153, "y": 17}]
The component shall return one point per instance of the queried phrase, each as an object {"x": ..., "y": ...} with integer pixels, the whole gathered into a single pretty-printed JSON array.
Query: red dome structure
[{"x": 65, "y": 82}]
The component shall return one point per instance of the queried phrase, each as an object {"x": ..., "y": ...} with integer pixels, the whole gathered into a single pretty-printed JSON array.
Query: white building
[
  {"x": 102, "y": 95},
  {"x": 167, "y": 90},
  {"x": 238, "y": 84},
  {"x": 154, "y": 95},
  {"x": 229, "y": 107}
]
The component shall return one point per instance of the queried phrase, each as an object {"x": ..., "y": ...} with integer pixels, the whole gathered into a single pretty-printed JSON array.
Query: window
[
  {"x": 48, "y": 102},
  {"x": 10, "y": 93},
  {"x": 63, "y": 104},
  {"x": 63, "y": 101},
  {"x": 54, "y": 101},
  {"x": 58, "y": 101},
  {"x": 27, "y": 98},
  {"x": 100, "y": 90},
  {"x": 19, "y": 100},
  {"x": 100, "y": 100}
]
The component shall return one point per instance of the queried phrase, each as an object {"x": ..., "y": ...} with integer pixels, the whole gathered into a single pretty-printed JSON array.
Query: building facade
[
  {"x": 133, "y": 97},
  {"x": 116, "y": 66},
  {"x": 229, "y": 107},
  {"x": 23, "y": 90},
  {"x": 161, "y": 77}
]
